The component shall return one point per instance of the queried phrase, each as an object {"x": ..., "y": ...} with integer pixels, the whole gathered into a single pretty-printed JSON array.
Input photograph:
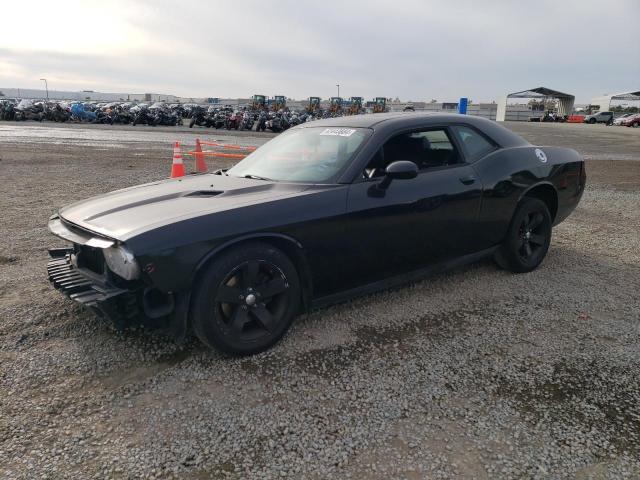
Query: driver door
[{"x": 417, "y": 222}]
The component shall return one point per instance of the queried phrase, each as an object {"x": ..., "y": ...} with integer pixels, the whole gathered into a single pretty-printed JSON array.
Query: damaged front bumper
[
  {"x": 123, "y": 307},
  {"x": 118, "y": 305}
]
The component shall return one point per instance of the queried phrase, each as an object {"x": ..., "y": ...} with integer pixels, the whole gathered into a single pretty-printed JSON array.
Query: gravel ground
[{"x": 477, "y": 373}]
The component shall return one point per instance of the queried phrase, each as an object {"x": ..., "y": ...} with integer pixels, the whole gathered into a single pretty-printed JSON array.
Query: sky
[{"x": 412, "y": 49}]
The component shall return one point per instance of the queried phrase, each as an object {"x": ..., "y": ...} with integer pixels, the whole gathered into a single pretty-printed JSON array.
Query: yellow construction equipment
[
  {"x": 258, "y": 102},
  {"x": 380, "y": 105}
]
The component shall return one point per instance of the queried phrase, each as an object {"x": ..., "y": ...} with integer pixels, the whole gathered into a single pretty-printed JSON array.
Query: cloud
[{"x": 412, "y": 49}]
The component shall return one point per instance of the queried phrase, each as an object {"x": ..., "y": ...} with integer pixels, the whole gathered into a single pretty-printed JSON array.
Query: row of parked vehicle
[
  {"x": 159, "y": 113},
  {"x": 609, "y": 118},
  {"x": 246, "y": 118},
  {"x": 91, "y": 112}
]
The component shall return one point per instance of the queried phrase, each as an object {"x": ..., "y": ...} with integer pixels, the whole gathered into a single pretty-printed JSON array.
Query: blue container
[{"x": 462, "y": 105}]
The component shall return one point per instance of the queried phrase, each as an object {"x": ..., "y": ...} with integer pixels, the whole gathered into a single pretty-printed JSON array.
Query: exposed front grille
[
  {"x": 91, "y": 258},
  {"x": 105, "y": 299}
]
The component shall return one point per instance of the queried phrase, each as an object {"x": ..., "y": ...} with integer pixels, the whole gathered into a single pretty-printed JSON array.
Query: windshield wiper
[{"x": 258, "y": 177}]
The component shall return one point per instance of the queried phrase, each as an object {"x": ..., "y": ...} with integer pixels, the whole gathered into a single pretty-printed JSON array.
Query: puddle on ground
[{"x": 119, "y": 137}]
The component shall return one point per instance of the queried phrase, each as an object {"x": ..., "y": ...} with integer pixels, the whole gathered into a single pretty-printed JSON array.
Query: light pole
[
  {"x": 338, "y": 85},
  {"x": 46, "y": 86}
]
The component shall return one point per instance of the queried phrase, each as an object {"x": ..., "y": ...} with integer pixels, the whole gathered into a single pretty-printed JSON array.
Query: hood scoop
[{"x": 204, "y": 193}]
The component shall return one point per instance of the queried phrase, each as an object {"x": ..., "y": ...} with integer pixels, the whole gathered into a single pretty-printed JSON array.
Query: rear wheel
[
  {"x": 246, "y": 300},
  {"x": 528, "y": 237}
]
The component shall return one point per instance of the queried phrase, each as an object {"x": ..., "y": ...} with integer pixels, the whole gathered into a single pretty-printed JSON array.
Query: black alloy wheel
[
  {"x": 246, "y": 300},
  {"x": 532, "y": 237},
  {"x": 528, "y": 237},
  {"x": 251, "y": 299}
]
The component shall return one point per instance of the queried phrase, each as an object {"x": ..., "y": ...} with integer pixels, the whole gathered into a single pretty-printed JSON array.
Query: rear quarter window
[{"x": 474, "y": 144}]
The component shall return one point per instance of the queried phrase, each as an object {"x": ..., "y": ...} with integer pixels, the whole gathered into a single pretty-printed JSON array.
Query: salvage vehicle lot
[{"x": 477, "y": 372}]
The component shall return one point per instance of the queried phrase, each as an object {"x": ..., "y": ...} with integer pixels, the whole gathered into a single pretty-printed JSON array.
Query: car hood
[{"x": 125, "y": 213}]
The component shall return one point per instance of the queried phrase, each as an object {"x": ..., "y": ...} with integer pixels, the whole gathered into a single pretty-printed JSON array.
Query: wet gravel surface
[{"x": 477, "y": 373}]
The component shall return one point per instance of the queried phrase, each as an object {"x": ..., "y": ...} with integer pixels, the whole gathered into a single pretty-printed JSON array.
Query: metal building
[
  {"x": 565, "y": 101},
  {"x": 605, "y": 101}
]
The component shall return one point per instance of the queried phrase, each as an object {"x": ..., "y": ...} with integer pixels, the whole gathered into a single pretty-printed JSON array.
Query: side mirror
[
  {"x": 401, "y": 170},
  {"x": 398, "y": 170}
]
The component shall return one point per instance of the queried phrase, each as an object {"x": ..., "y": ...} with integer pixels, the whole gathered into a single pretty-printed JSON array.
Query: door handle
[{"x": 468, "y": 180}]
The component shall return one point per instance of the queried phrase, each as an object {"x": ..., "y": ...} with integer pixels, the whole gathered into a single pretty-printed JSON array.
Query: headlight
[{"x": 122, "y": 262}]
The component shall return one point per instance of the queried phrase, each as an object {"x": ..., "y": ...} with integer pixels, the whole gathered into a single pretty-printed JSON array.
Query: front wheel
[
  {"x": 246, "y": 299},
  {"x": 528, "y": 237}
]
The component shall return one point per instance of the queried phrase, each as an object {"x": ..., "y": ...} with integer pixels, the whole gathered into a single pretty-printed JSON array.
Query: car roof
[
  {"x": 362, "y": 121},
  {"x": 393, "y": 121}
]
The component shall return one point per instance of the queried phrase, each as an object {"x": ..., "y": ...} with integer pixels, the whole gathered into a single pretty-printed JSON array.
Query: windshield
[{"x": 307, "y": 155}]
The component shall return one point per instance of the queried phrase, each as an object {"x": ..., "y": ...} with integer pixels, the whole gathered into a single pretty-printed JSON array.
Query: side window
[
  {"x": 475, "y": 144},
  {"x": 426, "y": 148}
]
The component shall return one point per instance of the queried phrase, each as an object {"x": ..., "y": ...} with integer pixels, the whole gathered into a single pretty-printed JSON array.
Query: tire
[
  {"x": 528, "y": 237},
  {"x": 227, "y": 312},
  {"x": 592, "y": 121}
]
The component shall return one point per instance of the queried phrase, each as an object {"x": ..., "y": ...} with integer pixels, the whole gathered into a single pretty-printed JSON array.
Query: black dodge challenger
[{"x": 325, "y": 211}]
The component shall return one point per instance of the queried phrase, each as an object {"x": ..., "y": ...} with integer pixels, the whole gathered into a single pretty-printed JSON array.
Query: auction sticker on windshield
[{"x": 340, "y": 132}]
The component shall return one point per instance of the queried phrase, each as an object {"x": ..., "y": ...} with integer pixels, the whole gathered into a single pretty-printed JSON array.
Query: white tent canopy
[
  {"x": 565, "y": 101},
  {"x": 605, "y": 100}
]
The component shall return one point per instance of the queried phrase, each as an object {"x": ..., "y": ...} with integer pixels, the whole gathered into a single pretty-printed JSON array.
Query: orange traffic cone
[
  {"x": 177, "y": 167},
  {"x": 201, "y": 165}
]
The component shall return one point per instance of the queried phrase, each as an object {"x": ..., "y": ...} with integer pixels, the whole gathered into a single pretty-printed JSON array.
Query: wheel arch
[
  {"x": 545, "y": 192},
  {"x": 288, "y": 245}
]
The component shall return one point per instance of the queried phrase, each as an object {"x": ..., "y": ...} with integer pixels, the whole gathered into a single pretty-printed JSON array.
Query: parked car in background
[
  {"x": 620, "y": 119},
  {"x": 600, "y": 117},
  {"x": 631, "y": 121}
]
